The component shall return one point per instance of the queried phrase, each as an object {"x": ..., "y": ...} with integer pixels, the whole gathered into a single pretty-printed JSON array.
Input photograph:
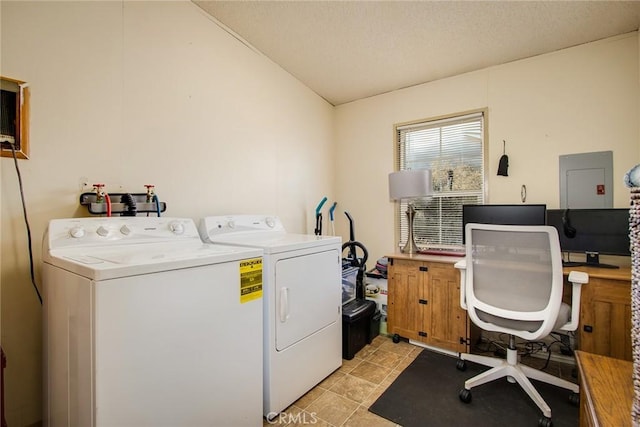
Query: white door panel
[
  {"x": 177, "y": 348},
  {"x": 307, "y": 296}
]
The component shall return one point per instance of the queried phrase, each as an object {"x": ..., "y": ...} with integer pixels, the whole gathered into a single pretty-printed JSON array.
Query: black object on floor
[
  {"x": 426, "y": 395},
  {"x": 356, "y": 326}
]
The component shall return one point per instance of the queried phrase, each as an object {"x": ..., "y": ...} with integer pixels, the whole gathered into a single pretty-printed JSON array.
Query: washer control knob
[
  {"x": 270, "y": 222},
  {"x": 231, "y": 224},
  {"x": 125, "y": 230},
  {"x": 76, "y": 232},
  {"x": 176, "y": 227},
  {"x": 102, "y": 231}
]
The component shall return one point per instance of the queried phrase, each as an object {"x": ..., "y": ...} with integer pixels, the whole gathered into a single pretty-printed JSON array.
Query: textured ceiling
[{"x": 348, "y": 50}]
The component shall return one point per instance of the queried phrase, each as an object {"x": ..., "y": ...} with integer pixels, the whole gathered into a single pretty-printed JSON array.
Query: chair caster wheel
[
  {"x": 461, "y": 365},
  {"x": 545, "y": 422},
  {"x": 574, "y": 399},
  {"x": 465, "y": 395},
  {"x": 396, "y": 338}
]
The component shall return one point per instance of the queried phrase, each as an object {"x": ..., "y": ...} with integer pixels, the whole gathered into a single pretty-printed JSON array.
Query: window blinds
[{"x": 453, "y": 149}]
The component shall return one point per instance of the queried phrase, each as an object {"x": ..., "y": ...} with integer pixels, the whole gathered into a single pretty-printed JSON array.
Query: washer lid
[
  {"x": 262, "y": 231},
  {"x": 100, "y": 263},
  {"x": 277, "y": 242}
]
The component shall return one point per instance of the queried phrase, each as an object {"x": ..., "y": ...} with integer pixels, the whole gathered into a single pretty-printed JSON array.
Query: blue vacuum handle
[
  {"x": 331, "y": 209},
  {"x": 322, "y": 202}
]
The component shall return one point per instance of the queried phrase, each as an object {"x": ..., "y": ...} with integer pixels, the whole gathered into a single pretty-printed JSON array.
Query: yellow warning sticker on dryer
[{"x": 250, "y": 279}]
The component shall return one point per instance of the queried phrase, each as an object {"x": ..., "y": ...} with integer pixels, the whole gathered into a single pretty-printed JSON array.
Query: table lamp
[{"x": 410, "y": 184}]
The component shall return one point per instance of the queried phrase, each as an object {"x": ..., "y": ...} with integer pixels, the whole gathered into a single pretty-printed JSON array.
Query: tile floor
[{"x": 343, "y": 398}]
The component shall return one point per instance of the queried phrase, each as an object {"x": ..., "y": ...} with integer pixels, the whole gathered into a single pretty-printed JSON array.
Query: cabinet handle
[
  {"x": 422, "y": 301},
  {"x": 424, "y": 268}
]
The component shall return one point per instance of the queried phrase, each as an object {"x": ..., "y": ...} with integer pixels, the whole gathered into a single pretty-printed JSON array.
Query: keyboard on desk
[{"x": 443, "y": 251}]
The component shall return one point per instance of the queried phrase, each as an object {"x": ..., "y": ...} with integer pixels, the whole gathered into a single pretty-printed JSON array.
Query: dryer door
[{"x": 307, "y": 296}]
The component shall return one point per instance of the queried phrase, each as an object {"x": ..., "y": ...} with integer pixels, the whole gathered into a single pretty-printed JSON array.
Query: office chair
[{"x": 512, "y": 282}]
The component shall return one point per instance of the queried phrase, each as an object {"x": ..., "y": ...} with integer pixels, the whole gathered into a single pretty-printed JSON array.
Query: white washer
[
  {"x": 302, "y": 303},
  {"x": 145, "y": 325}
]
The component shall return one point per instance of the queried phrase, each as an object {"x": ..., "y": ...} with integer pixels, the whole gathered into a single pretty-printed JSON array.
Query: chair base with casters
[
  {"x": 515, "y": 372},
  {"x": 512, "y": 282}
]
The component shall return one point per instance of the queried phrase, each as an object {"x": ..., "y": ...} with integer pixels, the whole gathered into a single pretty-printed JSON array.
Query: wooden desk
[
  {"x": 606, "y": 390},
  {"x": 424, "y": 306},
  {"x": 605, "y": 312}
]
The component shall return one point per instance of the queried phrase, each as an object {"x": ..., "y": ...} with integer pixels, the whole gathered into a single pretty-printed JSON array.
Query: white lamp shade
[{"x": 409, "y": 184}]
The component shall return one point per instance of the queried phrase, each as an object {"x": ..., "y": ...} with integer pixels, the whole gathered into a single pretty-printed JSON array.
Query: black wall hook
[{"x": 503, "y": 166}]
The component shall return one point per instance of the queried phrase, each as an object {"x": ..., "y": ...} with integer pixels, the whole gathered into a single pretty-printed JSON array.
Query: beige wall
[
  {"x": 582, "y": 99},
  {"x": 134, "y": 93},
  {"x": 155, "y": 93}
]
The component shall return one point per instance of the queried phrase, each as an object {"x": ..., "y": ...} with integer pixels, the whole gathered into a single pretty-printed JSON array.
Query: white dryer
[
  {"x": 302, "y": 303},
  {"x": 144, "y": 325}
]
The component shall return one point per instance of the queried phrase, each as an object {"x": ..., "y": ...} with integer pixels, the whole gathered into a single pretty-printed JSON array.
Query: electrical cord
[
  {"x": 26, "y": 221},
  {"x": 525, "y": 349},
  {"x": 499, "y": 347}
]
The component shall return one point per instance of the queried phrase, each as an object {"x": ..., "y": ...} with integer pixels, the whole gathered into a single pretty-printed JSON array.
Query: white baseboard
[
  {"x": 439, "y": 350},
  {"x": 555, "y": 357}
]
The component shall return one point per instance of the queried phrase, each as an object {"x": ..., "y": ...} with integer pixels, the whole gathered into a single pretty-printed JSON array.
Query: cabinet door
[
  {"x": 447, "y": 321},
  {"x": 605, "y": 318},
  {"x": 405, "y": 316}
]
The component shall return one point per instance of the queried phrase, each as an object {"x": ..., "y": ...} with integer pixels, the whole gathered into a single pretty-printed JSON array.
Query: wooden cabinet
[
  {"x": 605, "y": 312},
  {"x": 424, "y": 302}
]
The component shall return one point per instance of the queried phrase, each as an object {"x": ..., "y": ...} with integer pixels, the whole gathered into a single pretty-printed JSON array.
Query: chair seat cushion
[{"x": 526, "y": 325}]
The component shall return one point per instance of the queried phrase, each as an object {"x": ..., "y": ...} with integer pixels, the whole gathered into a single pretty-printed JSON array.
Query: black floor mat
[{"x": 426, "y": 395}]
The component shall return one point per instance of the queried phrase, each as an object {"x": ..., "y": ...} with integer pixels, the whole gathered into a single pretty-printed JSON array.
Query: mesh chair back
[{"x": 514, "y": 278}]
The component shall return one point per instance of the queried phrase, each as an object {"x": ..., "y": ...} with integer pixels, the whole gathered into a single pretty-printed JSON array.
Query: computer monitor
[
  {"x": 592, "y": 232},
  {"x": 503, "y": 214}
]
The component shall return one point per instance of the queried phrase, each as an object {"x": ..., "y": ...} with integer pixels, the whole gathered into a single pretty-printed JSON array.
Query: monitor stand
[
  {"x": 572, "y": 264},
  {"x": 593, "y": 260}
]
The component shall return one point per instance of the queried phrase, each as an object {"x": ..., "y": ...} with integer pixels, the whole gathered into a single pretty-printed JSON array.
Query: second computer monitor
[{"x": 592, "y": 232}]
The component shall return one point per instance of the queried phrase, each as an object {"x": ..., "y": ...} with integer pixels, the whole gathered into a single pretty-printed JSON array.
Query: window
[{"x": 453, "y": 148}]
